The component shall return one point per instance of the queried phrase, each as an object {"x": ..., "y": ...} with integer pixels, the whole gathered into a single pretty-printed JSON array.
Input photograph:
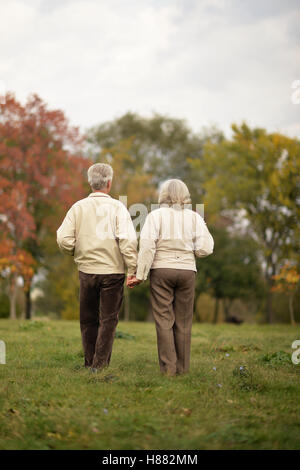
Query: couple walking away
[{"x": 99, "y": 233}]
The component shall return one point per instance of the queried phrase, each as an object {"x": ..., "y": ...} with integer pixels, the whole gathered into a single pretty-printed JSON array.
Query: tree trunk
[
  {"x": 269, "y": 306},
  {"x": 270, "y": 272},
  {"x": 13, "y": 298},
  {"x": 126, "y": 304},
  {"x": 216, "y": 312},
  {"x": 28, "y": 304},
  {"x": 150, "y": 315},
  {"x": 291, "y": 309},
  {"x": 227, "y": 309}
]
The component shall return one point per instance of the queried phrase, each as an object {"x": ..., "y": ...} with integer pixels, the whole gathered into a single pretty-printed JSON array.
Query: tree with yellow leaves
[
  {"x": 287, "y": 282},
  {"x": 253, "y": 177},
  {"x": 15, "y": 263}
]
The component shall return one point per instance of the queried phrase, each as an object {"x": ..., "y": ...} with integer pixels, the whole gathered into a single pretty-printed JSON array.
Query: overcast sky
[{"x": 208, "y": 61}]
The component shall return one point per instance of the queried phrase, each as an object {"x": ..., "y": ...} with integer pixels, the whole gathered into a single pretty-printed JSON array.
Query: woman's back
[{"x": 171, "y": 237}]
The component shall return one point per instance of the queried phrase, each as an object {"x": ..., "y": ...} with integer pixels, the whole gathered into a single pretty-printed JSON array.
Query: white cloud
[{"x": 206, "y": 61}]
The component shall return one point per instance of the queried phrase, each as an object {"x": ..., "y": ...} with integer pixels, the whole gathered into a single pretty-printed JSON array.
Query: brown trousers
[
  {"x": 172, "y": 300},
  {"x": 101, "y": 298}
]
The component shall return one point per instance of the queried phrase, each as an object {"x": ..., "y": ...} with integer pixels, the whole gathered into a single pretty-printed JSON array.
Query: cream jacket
[
  {"x": 171, "y": 238},
  {"x": 99, "y": 233}
]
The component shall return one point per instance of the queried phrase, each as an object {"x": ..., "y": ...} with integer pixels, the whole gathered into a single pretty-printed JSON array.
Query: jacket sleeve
[
  {"x": 66, "y": 239},
  {"x": 148, "y": 239},
  {"x": 126, "y": 236},
  {"x": 203, "y": 241}
]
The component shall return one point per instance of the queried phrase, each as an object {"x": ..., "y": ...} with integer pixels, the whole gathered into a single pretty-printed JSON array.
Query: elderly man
[{"x": 99, "y": 233}]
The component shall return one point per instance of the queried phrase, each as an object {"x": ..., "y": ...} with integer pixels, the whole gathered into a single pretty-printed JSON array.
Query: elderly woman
[{"x": 171, "y": 238}]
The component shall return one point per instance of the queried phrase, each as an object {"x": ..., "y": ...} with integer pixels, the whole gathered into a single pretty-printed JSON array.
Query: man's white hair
[
  {"x": 174, "y": 192},
  {"x": 99, "y": 175}
]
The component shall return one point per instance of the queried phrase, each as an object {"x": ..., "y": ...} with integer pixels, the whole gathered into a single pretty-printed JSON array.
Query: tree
[
  {"x": 232, "y": 272},
  {"x": 254, "y": 177},
  {"x": 159, "y": 145},
  {"x": 41, "y": 175},
  {"x": 287, "y": 282}
]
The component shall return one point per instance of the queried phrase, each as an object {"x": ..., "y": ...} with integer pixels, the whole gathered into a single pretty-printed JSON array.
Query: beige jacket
[
  {"x": 99, "y": 233},
  {"x": 171, "y": 238}
]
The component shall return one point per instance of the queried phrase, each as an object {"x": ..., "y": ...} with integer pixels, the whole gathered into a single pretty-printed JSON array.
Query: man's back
[{"x": 99, "y": 233}]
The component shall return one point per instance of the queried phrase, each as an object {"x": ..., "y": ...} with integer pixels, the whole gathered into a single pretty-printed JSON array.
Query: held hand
[
  {"x": 129, "y": 280},
  {"x": 132, "y": 281}
]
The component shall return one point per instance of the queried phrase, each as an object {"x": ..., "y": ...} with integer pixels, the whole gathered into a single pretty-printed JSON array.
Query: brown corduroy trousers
[
  {"x": 172, "y": 300},
  {"x": 101, "y": 298}
]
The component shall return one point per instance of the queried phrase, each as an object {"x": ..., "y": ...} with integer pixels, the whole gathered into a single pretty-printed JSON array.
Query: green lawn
[{"x": 47, "y": 401}]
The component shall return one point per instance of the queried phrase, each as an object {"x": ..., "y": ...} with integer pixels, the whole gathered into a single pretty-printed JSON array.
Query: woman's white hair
[
  {"x": 174, "y": 192},
  {"x": 99, "y": 175}
]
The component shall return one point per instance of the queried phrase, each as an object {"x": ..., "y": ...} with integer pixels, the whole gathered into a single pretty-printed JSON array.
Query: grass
[{"x": 242, "y": 391}]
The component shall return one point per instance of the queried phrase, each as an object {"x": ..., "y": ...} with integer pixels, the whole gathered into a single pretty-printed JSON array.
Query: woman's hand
[{"x": 132, "y": 281}]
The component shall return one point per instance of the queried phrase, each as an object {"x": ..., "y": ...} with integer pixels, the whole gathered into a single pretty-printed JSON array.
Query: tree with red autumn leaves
[{"x": 41, "y": 175}]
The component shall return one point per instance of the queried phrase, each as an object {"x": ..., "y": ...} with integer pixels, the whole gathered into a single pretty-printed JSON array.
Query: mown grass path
[{"x": 242, "y": 391}]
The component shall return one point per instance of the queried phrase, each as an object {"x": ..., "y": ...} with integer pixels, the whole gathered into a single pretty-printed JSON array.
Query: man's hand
[{"x": 132, "y": 281}]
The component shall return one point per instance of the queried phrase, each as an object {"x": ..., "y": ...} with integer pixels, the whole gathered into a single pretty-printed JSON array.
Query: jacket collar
[{"x": 98, "y": 194}]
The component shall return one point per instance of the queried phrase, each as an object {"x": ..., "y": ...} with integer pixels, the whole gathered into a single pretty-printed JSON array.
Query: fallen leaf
[
  {"x": 186, "y": 411},
  {"x": 54, "y": 435}
]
